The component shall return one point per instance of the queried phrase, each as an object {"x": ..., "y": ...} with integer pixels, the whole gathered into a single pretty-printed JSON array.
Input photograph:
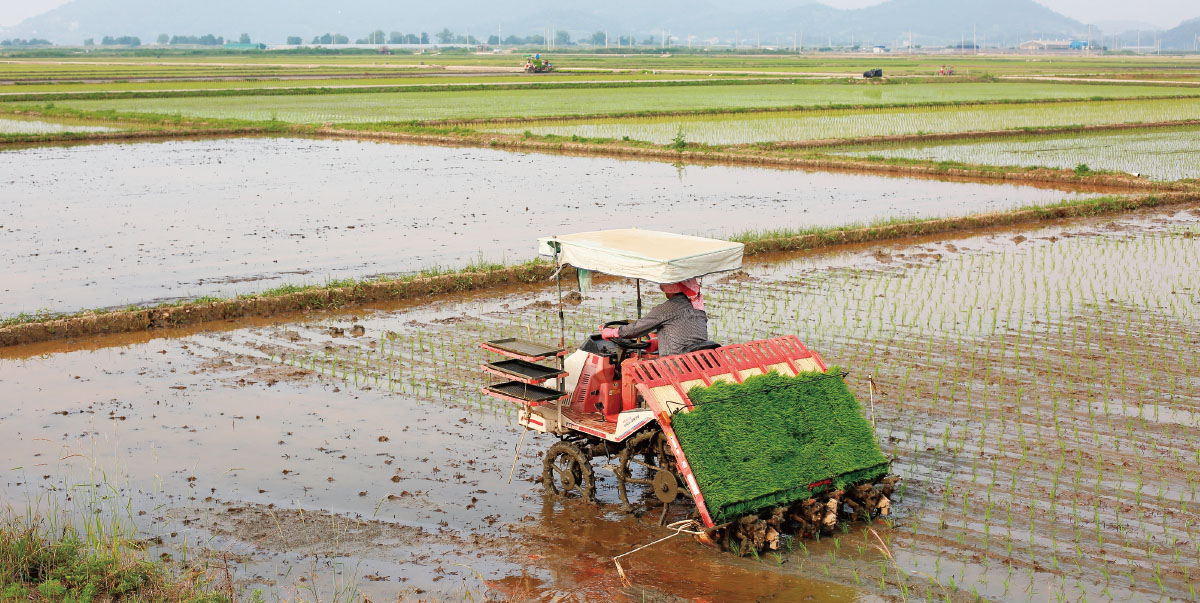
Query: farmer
[{"x": 681, "y": 322}]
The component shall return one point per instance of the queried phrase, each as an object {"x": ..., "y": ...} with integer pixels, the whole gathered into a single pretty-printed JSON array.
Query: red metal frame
[
  {"x": 703, "y": 365},
  {"x": 706, "y": 364}
]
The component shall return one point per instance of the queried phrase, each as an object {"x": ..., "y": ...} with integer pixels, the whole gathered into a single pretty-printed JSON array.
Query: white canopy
[{"x": 658, "y": 257}]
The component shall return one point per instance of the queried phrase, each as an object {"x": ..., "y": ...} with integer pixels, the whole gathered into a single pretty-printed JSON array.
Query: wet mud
[{"x": 1045, "y": 451}]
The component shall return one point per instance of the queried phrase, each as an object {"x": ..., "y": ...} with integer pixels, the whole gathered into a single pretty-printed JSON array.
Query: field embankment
[{"x": 26, "y": 329}]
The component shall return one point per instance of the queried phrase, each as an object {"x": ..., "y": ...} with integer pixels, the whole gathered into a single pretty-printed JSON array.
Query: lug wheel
[
  {"x": 567, "y": 472},
  {"x": 636, "y": 465},
  {"x": 647, "y": 461}
]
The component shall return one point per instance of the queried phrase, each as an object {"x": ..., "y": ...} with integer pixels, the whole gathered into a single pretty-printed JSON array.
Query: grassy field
[
  {"x": 861, "y": 123},
  {"x": 478, "y": 104},
  {"x": 830, "y": 63},
  {"x": 336, "y": 80},
  {"x": 1162, "y": 154}
]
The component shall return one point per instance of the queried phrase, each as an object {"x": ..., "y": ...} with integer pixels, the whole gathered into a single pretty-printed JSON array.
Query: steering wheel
[{"x": 639, "y": 343}]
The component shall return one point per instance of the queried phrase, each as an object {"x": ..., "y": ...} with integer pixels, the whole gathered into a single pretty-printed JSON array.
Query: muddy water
[
  {"x": 218, "y": 455},
  {"x": 262, "y": 444},
  {"x": 105, "y": 225}
]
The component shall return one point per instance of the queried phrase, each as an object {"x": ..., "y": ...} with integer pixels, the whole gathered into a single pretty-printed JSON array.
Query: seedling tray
[
  {"x": 524, "y": 393},
  {"x": 523, "y": 371},
  {"x": 522, "y": 349}
]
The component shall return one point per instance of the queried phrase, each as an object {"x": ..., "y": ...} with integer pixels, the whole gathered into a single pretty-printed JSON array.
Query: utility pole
[
  {"x": 974, "y": 38},
  {"x": 499, "y": 36},
  {"x": 606, "y": 39}
]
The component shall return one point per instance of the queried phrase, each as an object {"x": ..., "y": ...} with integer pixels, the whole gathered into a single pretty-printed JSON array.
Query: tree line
[
  {"x": 116, "y": 41},
  {"x": 561, "y": 38},
  {"x": 445, "y": 36},
  {"x": 29, "y": 42}
]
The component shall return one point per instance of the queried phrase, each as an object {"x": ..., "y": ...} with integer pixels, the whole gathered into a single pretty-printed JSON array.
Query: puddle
[{"x": 107, "y": 225}]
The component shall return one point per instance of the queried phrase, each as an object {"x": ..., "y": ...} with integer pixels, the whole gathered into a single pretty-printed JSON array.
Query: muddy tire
[
  {"x": 567, "y": 472},
  {"x": 629, "y": 471}
]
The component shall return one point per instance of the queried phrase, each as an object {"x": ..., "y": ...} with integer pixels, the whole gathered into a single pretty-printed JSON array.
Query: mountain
[
  {"x": 1184, "y": 37},
  {"x": 931, "y": 22}
]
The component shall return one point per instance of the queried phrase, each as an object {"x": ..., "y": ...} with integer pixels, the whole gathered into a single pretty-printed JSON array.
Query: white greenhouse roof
[{"x": 658, "y": 257}]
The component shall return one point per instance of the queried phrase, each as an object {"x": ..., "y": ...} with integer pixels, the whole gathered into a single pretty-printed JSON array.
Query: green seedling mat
[{"x": 773, "y": 439}]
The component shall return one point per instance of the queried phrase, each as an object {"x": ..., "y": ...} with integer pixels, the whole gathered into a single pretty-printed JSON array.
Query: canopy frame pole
[
  {"x": 562, "y": 319},
  {"x": 559, "y": 361},
  {"x": 639, "y": 297}
]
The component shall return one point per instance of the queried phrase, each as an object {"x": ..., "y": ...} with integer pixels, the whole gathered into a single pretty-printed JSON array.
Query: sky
[{"x": 1164, "y": 13}]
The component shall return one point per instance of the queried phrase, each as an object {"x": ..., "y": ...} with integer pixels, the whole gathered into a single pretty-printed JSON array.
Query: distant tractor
[{"x": 534, "y": 63}]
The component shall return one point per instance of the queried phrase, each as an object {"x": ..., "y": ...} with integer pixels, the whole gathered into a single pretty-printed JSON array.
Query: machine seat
[{"x": 707, "y": 345}]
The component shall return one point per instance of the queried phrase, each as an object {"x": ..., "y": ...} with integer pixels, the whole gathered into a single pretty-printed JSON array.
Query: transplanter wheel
[
  {"x": 634, "y": 470},
  {"x": 567, "y": 472},
  {"x": 656, "y": 471}
]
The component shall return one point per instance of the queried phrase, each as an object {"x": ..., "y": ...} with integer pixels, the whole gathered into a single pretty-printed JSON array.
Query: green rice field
[
  {"x": 476, "y": 104},
  {"x": 292, "y": 80},
  {"x": 1171, "y": 154},
  {"x": 830, "y": 63},
  {"x": 860, "y": 123}
]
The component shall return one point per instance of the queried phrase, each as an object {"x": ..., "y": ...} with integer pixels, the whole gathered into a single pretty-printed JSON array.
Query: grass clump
[
  {"x": 36, "y": 567},
  {"x": 774, "y": 440}
]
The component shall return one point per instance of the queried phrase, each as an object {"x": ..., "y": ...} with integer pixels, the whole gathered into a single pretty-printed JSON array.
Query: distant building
[
  {"x": 1043, "y": 45},
  {"x": 879, "y": 49}
]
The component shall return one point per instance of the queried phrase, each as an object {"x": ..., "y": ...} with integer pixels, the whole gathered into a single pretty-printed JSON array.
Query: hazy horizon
[{"x": 1162, "y": 13}]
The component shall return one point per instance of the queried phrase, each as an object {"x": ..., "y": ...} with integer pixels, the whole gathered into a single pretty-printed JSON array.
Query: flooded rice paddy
[
  {"x": 860, "y": 123},
  {"x": 92, "y": 226},
  {"x": 1166, "y": 155},
  {"x": 1040, "y": 391},
  {"x": 10, "y": 125}
]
